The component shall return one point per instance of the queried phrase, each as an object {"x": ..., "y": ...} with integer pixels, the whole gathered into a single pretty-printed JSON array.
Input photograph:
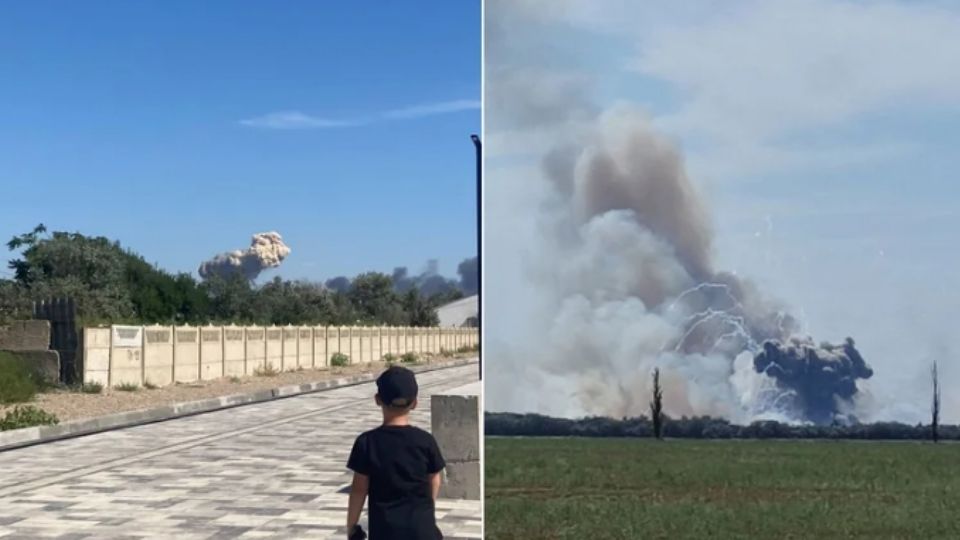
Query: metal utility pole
[{"x": 477, "y": 145}]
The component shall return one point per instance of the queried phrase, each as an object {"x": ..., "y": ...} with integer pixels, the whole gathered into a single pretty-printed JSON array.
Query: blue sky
[
  {"x": 182, "y": 128},
  {"x": 823, "y": 136}
]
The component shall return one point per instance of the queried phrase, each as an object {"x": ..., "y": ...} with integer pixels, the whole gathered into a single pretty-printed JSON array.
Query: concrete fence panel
[
  {"x": 320, "y": 354},
  {"x": 126, "y": 355},
  {"x": 274, "y": 347},
  {"x": 96, "y": 356},
  {"x": 376, "y": 344},
  {"x": 305, "y": 358},
  {"x": 211, "y": 353},
  {"x": 163, "y": 355},
  {"x": 158, "y": 355},
  {"x": 256, "y": 348},
  {"x": 186, "y": 354},
  {"x": 234, "y": 352},
  {"x": 291, "y": 353},
  {"x": 346, "y": 343},
  {"x": 356, "y": 342},
  {"x": 333, "y": 342}
]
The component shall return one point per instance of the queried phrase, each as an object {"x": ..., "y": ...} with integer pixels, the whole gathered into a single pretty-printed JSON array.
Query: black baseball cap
[{"x": 397, "y": 387}]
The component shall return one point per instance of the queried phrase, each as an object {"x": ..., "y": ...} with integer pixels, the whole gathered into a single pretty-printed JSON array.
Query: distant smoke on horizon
[{"x": 428, "y": 282}]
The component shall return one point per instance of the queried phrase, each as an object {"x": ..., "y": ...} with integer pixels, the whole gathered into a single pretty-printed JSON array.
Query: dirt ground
[{"x": 73, "y": 405}]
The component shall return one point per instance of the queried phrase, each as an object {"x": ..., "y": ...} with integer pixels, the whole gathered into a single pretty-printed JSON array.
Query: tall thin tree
[
  {"x": 935, "y": 409},
  {"x": 656, "y": 406}
]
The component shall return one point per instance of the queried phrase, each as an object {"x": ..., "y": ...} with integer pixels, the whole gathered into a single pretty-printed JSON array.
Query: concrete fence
[{"x": 163, "y": 355}]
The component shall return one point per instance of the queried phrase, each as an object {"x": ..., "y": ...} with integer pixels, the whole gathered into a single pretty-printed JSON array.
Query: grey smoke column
[
  {"x": 266, "y": 250},
  {"x": 469, "y": 276},
  {"x": 816, "y": 376}
]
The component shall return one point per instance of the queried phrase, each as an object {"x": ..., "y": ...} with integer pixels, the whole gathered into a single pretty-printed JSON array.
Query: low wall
[
  {"x": 455, "y": 423},
  {"x": 29, "y": 335},
  {"x": 162, "y": 355}
]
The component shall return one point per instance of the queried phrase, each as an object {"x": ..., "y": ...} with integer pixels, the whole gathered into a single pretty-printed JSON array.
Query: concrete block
[
  {"x": 31, "y": 335},
  {"x": 455, "y": 423},
  {"x": 44, "y": 363},
  {"x": 461, "y": 481}
]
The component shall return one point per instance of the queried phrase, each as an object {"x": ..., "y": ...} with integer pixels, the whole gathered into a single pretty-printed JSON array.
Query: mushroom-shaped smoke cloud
[{"x": 266, "y": 250}]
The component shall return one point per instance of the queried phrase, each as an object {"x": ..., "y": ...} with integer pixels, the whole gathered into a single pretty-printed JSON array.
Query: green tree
[
  {"x": 656, "y": 406},
  {"x": 419, "y": 311},
  {"x": 374, "y": 299}
]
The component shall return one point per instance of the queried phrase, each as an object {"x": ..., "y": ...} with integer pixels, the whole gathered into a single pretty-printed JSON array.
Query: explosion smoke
[
  {"x": 625, "y": 266},
  {"x": 818, "y": 376},
  {"x": 266, "y": 250}
]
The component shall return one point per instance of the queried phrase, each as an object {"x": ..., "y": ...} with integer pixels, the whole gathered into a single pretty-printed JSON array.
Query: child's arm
[
  {"x": 435, "y": 484},
  {"x": 358, "y": 494}
]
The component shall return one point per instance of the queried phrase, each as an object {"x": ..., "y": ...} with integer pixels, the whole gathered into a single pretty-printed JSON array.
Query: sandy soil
[{"x": 72, "y": 405}]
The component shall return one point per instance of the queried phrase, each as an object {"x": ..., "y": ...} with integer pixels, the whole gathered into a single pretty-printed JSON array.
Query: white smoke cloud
[{"x": 266, "y": 250}]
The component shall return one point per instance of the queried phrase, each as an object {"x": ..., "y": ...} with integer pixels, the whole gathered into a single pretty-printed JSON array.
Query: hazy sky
[
  {"x": 181, "y": 128},
  {"x": 824, "y": 135}
]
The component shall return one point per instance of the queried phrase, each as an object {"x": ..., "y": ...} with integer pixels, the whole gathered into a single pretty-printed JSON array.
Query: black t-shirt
[{"x": 399, "y": 461}]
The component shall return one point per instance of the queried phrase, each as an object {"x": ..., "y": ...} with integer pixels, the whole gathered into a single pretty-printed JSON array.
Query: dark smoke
[
  {"x": 469, "y": 276},
  {"x": 428, "y": 283},
  {"x": 338, "y": 284},
  {"x": 818, "y": 376}
]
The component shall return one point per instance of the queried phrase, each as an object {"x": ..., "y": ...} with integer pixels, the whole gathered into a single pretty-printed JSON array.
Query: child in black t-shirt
[{"x": 398, "y": 465}]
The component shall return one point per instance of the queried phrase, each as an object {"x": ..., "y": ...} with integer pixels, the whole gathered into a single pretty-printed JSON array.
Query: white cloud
[
  {"x": 774, "y": 67},
  {"x": 299, "y": 120},
  {"x": 432, "y": 109},
  {"x": 750, "y": 77},
  {"x": 295, "y": 120}
]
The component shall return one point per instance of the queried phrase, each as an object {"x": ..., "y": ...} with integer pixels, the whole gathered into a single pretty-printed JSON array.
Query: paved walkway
[{"x": 270, "y": 470}]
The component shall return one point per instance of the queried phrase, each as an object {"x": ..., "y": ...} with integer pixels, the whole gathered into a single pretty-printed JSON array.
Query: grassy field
[{"x": 640, "y": 488}]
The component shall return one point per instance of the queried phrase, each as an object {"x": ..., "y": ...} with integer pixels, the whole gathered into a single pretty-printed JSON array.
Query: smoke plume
[
  {"x": 624, "y": 274},
  {"x": 428, "y": 282},
  {"x": 469, "y": 276},
  {"x": 266, "y": 250},
  {"x": 816, "y": 376}
]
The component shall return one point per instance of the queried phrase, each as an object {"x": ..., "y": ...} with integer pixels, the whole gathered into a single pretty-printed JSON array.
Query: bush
[
  {"x": 266, "y": 371},
  {"x": 17, "y": 383},
  {"x": 339, "y": 360},
  {"x": 409, "y": 358},
  {"x": 468, "y": 348},
  {"x": 127, "y": 387},
  {"x": 149, "y": 385},
  {"x": 91, "y": 388},
  {"x": 26, "y": 416}
]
